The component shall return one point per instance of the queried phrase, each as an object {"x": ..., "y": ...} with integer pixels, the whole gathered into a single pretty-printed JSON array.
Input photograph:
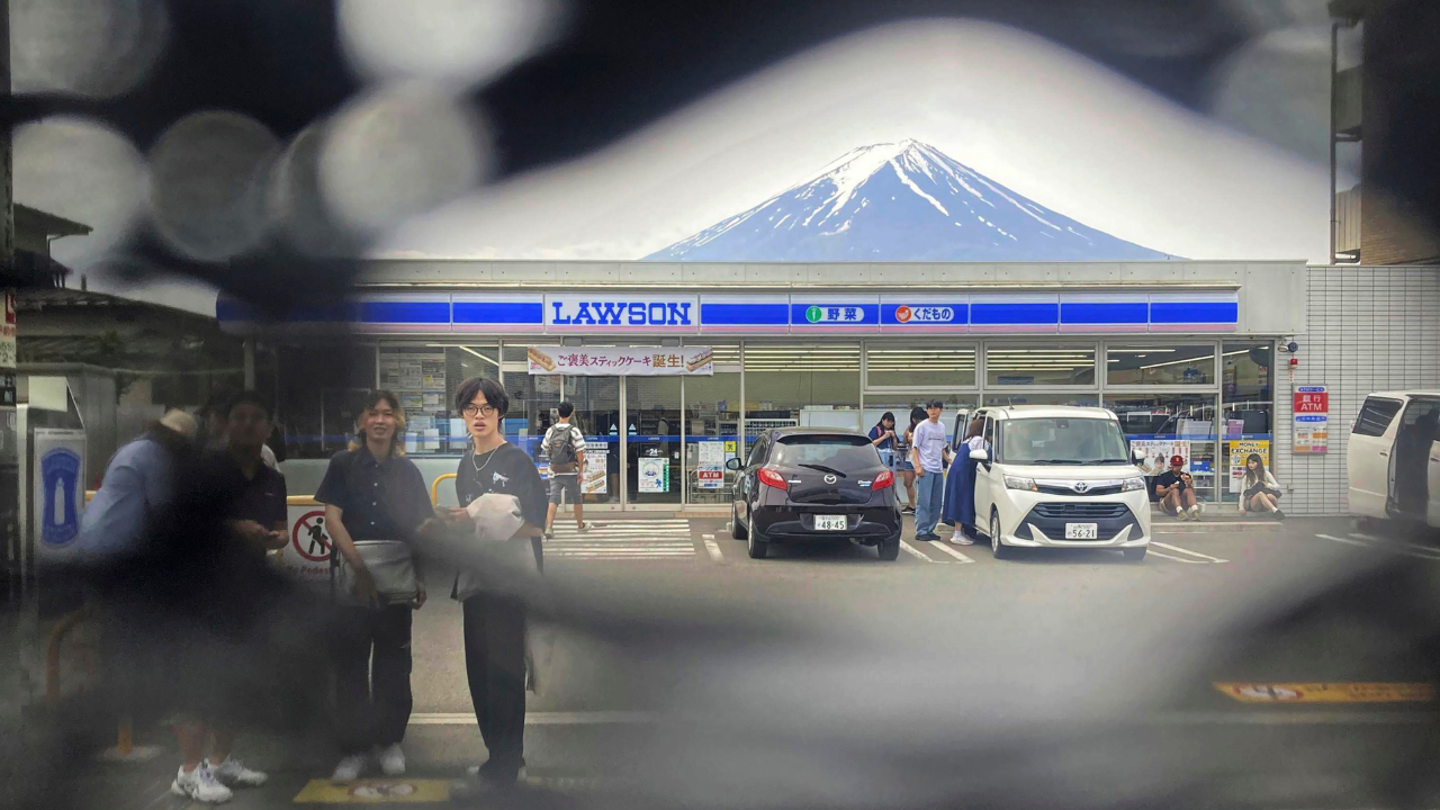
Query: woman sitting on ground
[{"x": 1261, "y": 491}]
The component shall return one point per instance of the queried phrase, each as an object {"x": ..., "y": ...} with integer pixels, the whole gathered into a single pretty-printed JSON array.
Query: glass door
[
  {"x": 597, "y": 414},
  {"x": 653, "y": 471}
]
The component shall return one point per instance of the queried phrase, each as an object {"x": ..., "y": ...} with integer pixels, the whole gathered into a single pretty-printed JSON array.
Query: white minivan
[
  {"x": 1059, "y": 477},
  {"x": 1394, "y": 458}
]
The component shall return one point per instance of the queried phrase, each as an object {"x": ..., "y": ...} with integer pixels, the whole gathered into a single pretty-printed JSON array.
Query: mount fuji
[{"x": 902, "y": 201}]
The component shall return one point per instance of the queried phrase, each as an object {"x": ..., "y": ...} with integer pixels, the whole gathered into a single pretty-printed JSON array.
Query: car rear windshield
[
  {"x": 1060, "y": 440},
  {"x": 846, "y": 454}
]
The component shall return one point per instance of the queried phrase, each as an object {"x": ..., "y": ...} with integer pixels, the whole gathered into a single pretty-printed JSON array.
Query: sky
[
  {"x": 1048, "y": 123},
  {"x": 1247, "y": 181}
]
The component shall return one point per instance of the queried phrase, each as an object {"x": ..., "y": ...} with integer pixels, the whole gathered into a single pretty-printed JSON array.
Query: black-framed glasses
[{"x": 471, "y": 411}]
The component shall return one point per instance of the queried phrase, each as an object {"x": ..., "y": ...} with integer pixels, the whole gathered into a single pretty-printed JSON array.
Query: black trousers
[
  {"x": 372, "y": 677},
  {"x": 495, "y": 664}
]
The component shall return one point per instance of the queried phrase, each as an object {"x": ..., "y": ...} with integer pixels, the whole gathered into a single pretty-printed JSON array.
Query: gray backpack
[{"x": 560, "y": 447}]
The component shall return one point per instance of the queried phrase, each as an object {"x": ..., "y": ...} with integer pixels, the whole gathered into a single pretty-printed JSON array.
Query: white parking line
[
  {"x": 1365, "y": 541},
  {"x": 915, "y": 552},
  {"x": 945, "y": 547},
  {"x": 712, "y": 547},
  {"x": 1188, "y": 551},
  {"x": 1178, "y": 559}
]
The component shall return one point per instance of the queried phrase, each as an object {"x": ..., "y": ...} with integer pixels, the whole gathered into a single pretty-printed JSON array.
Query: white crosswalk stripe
[{"x": 623, "y": 540}]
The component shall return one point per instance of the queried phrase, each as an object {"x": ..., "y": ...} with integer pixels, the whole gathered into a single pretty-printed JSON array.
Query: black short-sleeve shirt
[
  {"x": 509, "y": 470},
  {"x": 378, "y": 500},
  {"x": 1167, "y": 478},
  {"x": 261, "y": 499}
]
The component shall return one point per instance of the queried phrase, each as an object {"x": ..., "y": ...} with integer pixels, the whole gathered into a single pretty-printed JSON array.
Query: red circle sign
[
  {"x": 902, "y": 314},
  {"x": 312, "y": 526}
]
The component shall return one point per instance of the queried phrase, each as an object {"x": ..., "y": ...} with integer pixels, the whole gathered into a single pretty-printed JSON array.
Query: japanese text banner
[{"x": 604, "y": 361}]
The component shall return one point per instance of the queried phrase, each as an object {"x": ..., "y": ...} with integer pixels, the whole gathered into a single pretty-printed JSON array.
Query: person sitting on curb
[{"x": 1177, "y": 492}]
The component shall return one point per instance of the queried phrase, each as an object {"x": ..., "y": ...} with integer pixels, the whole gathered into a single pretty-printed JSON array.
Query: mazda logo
[
  {"x": 830, "y": 479},
  {"x": 1082, "y": 487}
]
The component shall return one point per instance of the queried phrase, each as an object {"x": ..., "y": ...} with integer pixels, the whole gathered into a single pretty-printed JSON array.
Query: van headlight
[
  {"x": 1132, "y": 485},
  {"x": 1016, "y": 482}
]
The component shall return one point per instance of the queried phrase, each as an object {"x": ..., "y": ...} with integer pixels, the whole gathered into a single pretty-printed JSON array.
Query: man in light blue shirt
[
  {"x": 930, "y": 453},
  {"x": 136, "y": 486}
]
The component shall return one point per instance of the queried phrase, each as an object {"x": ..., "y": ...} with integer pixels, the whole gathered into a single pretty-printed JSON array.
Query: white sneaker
[
  {"x": 1195, "y": 515},
  {"x": 200, "y": 785},
  {"x": 391, "y": 759},
  {"x": 350, "y": 768},
  {"x": 233, "y": 773}
]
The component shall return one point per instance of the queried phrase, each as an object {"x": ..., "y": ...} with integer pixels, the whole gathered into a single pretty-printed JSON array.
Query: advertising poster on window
[
  {"x": 1158, "y": 453},
  {"x": 596, "y": 458},
  {"x": 1312, "y": 419},
  {"x": 654, "y": 474},
  {"x": 710, "y": 471},
  {"x": 1239, "y": 452},
  {"x": 621, "y": 361}
]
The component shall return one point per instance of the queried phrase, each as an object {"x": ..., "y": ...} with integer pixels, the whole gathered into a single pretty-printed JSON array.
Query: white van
[
  {"x": 1394, "y": 460},
  {"x": 1059, "y": 477}
]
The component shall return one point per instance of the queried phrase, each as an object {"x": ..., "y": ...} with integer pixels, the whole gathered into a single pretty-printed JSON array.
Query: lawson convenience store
[{"x": 674, "y": 368}]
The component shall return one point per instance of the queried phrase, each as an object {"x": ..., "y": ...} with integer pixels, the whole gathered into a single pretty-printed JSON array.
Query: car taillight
[
  {"x": 883, "y": 480},
  {"x": 770, "y": 478}
]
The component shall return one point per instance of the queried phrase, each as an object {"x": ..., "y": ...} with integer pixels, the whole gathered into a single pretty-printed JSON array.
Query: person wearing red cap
[{"x": 1176, "y": 492}]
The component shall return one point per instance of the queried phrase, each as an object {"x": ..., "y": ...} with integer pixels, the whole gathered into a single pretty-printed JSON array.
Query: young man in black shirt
[
  {"x": 495, "y": 623},
  {"x": 1177, "y": 492}
]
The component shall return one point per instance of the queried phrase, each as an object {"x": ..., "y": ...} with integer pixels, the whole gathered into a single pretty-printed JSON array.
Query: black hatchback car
[{"x": 809, "y": 484}]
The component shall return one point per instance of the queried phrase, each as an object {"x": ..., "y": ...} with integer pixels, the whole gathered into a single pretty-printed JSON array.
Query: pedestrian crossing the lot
[{"x": 623, "y": 540}]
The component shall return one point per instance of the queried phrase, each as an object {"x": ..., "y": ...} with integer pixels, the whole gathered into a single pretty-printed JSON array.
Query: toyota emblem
[
  {"x": 830, "y": 479},
  {"x": 1082, "y": 487}
]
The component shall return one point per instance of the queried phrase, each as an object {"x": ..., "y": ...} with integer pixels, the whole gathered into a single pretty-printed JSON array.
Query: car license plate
[
  {"x": 1082, "y": 531},
  {"x": 831, "y": 523}
]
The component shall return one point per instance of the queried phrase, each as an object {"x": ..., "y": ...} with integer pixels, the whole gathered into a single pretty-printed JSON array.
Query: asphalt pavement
[{"x": 1221, "y": 670}]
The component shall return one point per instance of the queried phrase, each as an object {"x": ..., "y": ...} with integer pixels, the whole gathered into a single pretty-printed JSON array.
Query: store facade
[{"x": 674, "y": 369}]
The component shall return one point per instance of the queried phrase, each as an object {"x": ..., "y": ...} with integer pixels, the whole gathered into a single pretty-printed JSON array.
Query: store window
[
  {"x": 1160, "y": 365},
  {"x": 1078, "y": 399},
  {"x": 319, "y": 390},
  {"x": 712, "y": 435},
  {"x": 1248, "y": 397},
  {"x": 917, "y": 365},
  {"x": 1162, "y": 426},
  {"x": 1020, "y": 365},
  {"x": 426, "y": 377},
  {"x": 816, "y": 385}
]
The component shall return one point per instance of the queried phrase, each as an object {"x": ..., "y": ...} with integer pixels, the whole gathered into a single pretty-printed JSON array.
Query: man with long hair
[{"x": 372, "y": 492}]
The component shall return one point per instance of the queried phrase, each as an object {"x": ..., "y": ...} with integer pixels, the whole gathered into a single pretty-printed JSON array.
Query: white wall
[{"x": 1369, "y": 329}]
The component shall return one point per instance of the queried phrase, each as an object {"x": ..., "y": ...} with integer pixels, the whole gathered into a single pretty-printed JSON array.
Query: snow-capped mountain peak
[{"x": 904, "y": 201}]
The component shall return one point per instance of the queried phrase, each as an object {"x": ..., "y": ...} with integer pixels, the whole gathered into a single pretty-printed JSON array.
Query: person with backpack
[{"x": 565, "y": 447}]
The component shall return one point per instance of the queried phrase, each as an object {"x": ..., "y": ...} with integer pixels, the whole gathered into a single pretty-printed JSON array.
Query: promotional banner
[
  {"x": 1312, "y": 419},
  {"x": 710, "y": 472},
  {"x": 606, "y": 361},
  {"x": 597, "y": 456},
  {"x": 1239, "y": 452},
  {"x": 1159, "y": 452}
]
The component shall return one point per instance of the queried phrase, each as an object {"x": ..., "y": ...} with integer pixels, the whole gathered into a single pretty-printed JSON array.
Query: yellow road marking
[{"x": 1328, "y": 692}]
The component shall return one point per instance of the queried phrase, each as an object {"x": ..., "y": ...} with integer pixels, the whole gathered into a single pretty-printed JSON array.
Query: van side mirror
[
  {"x": 732, "y": 464},
  {"x": 1138, "y": 454},
  {"x": 980, "y": 454}
]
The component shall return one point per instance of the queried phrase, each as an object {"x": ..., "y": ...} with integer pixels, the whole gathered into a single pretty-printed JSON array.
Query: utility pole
[{"x": 9, "y": 457}]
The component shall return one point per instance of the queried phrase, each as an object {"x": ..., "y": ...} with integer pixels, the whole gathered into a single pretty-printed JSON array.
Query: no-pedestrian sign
[
  {"x": 309, "y": 537},
  {"x": 307, "y": 556}
]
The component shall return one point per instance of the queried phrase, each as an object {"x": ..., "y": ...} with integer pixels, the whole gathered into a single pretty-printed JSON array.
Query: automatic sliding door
[{"x": 653, "y": 451}]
